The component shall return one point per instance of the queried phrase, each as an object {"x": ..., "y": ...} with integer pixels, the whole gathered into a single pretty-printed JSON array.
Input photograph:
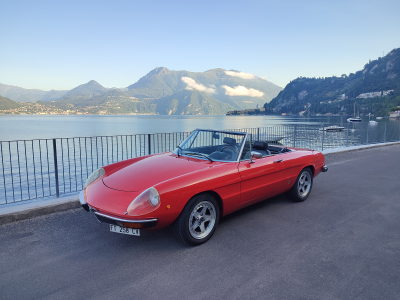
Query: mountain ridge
[
  {"x": 218, "y": 89},
  {"x": 337, "y": 94}
]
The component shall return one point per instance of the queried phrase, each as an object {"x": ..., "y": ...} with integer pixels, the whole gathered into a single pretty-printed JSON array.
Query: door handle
[{"x": 278, "y": 161}]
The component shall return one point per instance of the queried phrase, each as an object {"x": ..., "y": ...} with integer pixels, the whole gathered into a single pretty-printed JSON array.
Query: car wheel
[
  {"x": 302, "y": 187},
  {"x": 198, "y": 220}
]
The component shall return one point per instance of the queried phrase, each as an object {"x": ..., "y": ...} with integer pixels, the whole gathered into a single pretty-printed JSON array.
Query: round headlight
[
  {"x": 154, "y": 197},
  {"x": 95, "y": 175},
  {"x": 145, "y": 203}
]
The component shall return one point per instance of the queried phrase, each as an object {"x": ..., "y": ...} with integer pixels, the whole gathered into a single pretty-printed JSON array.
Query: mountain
[
  {"x": 89, "y": 89},
  {"x": 6, "y": 103},
  {"x": 53, "y": 95},
  {"x": 338, "y": 94},
  {"x": 238, "y": 89},
  {"x": 29, "y": 95},
  {"x": 163, "y": 91},
  {"x": 188, "y": 102},
  {"x": 21, "y": 95}
]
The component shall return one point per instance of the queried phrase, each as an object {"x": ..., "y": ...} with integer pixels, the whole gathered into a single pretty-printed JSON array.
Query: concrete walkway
[{"x": 33, "y": 208}]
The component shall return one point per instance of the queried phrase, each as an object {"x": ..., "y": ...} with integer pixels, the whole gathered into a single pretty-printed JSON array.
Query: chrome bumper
[
  {"x": 146, "y": 223},
  {"x": 324, "y": 169},
  {"x": 83, "y": 201}
]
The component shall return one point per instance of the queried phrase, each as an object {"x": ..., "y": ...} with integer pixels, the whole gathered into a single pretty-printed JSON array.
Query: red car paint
[{"x": 179, "y": 178}]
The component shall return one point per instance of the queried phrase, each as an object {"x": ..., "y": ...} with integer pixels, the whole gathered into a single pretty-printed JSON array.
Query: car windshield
[{"x": 212, "y": 145}]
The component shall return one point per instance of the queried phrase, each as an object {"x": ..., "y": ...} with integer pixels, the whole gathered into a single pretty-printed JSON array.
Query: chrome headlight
[
  {"x": 95, "y": 175},
  {"x": 146, "y": 202}
]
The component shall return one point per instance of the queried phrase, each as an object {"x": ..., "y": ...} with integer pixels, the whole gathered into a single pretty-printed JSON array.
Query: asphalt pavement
[{"x": 343, "y": 242}]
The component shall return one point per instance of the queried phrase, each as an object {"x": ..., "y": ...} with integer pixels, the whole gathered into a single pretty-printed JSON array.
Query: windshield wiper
[{"x": 199, "y": 154}]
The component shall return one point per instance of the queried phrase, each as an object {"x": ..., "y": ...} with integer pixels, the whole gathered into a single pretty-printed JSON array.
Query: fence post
[
  {"x": 56, "y": 167},
  {"x": 258, "y": 133},
  {"x": 348, "y": 127},
  {"x": 385, "y": 134},
  {"x": 149, "y": 143},
  {"x": 367, "y": 132},
  {"x": 323, "y": 135},
  {"x": 294, "y": 138}
]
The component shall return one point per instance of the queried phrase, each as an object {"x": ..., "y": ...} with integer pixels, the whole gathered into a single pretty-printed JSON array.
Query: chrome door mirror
[{"x": 253, "y": 155}]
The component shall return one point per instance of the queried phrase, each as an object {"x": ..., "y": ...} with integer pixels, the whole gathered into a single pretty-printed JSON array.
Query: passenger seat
[{"x": 261, "y": 147}]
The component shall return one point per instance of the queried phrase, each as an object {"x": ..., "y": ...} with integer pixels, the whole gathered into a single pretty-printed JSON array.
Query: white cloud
[
  {"x": 193, "y": 85},
  {"x": 240, "y": 74},
  {"x": 242, "y": 91}
]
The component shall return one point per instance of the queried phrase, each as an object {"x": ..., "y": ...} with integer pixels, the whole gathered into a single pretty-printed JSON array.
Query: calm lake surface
[{"x": 42, "y": 127}]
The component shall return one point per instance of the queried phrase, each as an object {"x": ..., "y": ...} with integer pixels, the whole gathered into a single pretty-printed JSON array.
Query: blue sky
[{"x": 62, "y": 44}]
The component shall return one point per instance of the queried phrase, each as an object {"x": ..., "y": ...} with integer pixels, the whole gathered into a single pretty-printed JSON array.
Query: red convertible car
[{"x": 211, "y": 174}]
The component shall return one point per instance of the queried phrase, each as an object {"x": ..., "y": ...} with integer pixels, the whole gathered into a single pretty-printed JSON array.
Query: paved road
[{"x": 342, "y": 243}]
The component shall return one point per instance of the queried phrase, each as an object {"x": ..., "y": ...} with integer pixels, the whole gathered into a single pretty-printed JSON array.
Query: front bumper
[
  {"x": 144, "y": 223},
  {"x": 103, "y": 218}
]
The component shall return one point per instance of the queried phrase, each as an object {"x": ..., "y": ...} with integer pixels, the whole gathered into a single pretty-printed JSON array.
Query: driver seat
[{"x": 228, "y": 142}]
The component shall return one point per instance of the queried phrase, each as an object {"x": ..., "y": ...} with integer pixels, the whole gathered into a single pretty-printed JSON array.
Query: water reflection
[{"x": 34, "y": 127}]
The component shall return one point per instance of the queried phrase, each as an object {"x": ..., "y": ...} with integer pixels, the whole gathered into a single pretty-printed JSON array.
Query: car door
[{"x": 261, "y": 178}]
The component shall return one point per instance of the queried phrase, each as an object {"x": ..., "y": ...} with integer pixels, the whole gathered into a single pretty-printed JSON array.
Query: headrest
[
  {"x": 229, "y": 141},
  {"x": 260, "y": 145}
]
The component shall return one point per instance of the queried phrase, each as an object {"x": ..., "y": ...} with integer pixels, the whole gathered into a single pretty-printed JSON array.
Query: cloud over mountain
[
  {"x": 242, "y": 91},
  {"x": 240, "y": 74},
  {"x": 193, "y": 85}
]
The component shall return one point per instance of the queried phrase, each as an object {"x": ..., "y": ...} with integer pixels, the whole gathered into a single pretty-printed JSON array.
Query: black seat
[
  {"x": 261, "y": 147},
  {"x": 228, "y": 142}
]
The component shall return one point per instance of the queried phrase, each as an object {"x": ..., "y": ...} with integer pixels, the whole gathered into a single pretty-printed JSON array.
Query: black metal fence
[{"x": 32, "y": 169}]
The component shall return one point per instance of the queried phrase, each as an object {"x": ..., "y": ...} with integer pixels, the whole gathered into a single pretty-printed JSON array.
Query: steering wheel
[{"x": 229, "y": 147}]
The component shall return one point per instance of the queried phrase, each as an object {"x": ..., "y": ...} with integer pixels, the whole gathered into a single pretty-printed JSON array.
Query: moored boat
[
  {"x": 332, "y": 128},
  {"x": 354, "y": 118}
]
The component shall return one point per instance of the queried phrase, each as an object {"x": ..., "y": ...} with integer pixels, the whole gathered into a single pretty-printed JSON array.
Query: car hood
[{"x": 152, "y": 170}]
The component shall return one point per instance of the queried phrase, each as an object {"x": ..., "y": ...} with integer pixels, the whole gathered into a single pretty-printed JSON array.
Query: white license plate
[{"x": 124, "y": 230}]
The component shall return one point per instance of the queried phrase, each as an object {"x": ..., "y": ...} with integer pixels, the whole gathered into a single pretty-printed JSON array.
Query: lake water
[{"x": 42, "y": 127}]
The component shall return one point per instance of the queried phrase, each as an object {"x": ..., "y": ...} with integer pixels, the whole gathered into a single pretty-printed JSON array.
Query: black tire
[
  {"x": 302, "y": 187},
  {"x": 198, "y": 220}
]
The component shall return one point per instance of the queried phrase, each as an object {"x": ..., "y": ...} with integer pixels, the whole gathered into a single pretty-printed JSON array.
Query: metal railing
[{"x": 39, "y": 168}]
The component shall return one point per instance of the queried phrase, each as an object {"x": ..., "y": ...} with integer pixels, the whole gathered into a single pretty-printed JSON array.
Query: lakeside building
[{"x": 374, "y": 94}]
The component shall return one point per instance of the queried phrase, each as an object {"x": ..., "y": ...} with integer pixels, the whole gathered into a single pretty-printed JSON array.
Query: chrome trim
[
  {"x": 82, "y": 198},
  {"x": 324, "y": 169},
  {"x": 125, "y": 220},
  {"x": 223, "y": 131},
  {"x": 241, "y": 150}
]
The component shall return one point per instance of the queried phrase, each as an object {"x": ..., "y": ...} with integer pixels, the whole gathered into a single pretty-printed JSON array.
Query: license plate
[{"x": 124, "y": 230}]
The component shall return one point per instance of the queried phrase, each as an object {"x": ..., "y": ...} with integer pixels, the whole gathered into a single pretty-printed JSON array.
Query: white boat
[
  {"x": 379, "y": 118},
  {"x": 354, "y": 118},
  {"x": 332, "y": 128},
  {"x": 371, "y": 122}
]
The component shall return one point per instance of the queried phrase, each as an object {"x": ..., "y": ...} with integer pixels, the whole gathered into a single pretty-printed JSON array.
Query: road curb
[
  {"x": 24, "y": 211},
  {"x": 357, "y": 148}
]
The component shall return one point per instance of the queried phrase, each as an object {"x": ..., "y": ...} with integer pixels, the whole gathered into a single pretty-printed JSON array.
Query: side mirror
[{"x": 253, "y": 155}]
